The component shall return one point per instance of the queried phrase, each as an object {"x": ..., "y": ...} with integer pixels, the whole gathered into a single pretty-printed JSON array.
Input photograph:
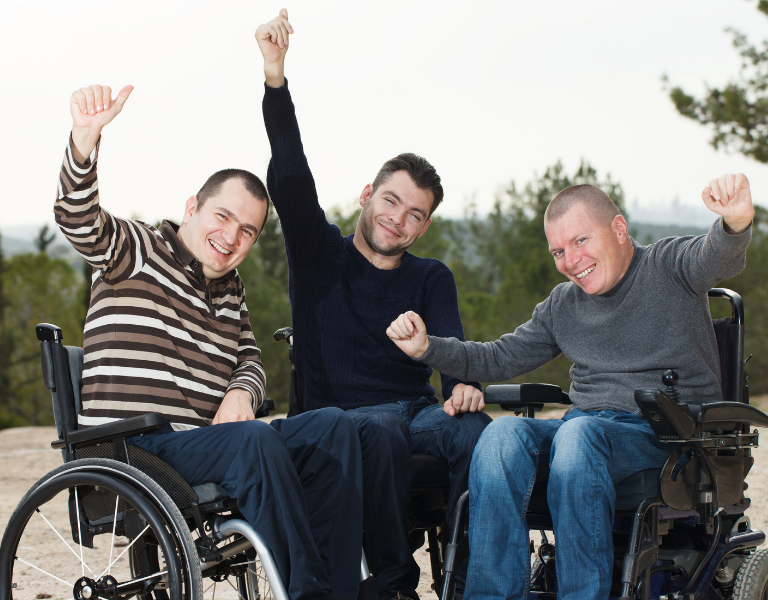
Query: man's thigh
[
  {"x": 206, "y": 454},
  {"x": 439, "y": 434},
  {"x": 623, "y": 442}
]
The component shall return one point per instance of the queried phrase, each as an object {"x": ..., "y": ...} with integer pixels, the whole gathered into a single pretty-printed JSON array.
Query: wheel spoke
[
  {"x": 79, "y": 535},
  {"x": 232, "y": 585},
  {"x": 112, "y": 542},
  {"x": 132, "y": 581},
  {"x": 59, "y": 579},
  {"x": 63, "y": 540},
  {"x": 128, "y": 547}
]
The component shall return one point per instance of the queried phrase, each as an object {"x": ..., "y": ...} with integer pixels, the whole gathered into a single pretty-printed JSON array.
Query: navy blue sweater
[{"x": 341, "y": 304}]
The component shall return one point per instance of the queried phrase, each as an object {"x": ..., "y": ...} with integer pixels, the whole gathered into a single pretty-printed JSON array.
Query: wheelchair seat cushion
[
  {"x": 429, "y": 473},
  {"x": 208, "y": 492}
]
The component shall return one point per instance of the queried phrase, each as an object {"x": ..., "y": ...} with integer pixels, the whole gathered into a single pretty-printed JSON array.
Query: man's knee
[
  {"x": 579, "y": 446},
  {"x": 504, "y": 441},
  {"x": 383, "y": 433}
]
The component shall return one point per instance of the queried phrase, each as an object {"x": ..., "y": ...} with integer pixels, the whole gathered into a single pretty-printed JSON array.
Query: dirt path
[{"x": 26, "y": 455}]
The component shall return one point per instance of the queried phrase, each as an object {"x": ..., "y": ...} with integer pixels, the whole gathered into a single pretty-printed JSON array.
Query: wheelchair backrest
[
  {"x": 730, "y": 345},
  {"x": 62, "y": 374}
]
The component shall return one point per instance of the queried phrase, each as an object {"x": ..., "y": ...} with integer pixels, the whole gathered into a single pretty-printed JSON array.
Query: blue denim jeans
[
  {"x": 587, "y": 454},
  {"x": 389, "y": 434}
]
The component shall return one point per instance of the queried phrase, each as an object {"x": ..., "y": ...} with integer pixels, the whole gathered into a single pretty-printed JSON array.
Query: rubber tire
[
  {"x": 148, "y": 488},
  {"x": 752, "y": 578}
]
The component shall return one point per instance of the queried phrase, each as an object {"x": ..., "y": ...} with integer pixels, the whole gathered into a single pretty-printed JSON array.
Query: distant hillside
[{"x": 647, "y": 233}]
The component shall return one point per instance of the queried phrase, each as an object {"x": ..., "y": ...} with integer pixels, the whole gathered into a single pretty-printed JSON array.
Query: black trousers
[{"x": 298, "y": 483}]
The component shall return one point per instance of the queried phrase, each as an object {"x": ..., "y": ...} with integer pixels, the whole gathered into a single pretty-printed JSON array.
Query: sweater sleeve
[
  {"x": 441, "y": 316},
  {"x": 116, "y": 247},
  {"x": 703, "y": 261},
  {"x": 289, "y": 180},
  {"x": 249, "y": 373},
  {"x": 529, "y": 347}
]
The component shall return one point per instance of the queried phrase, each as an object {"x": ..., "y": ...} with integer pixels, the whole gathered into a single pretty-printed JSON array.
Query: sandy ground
[{"x": 26, "y": 455}]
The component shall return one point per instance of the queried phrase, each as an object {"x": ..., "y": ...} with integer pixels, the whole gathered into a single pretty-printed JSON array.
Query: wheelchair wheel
[
  {"x": 242, "y": 578},
  {"x": 78, "y": 531},
  {"x": 752, "y": 578}
]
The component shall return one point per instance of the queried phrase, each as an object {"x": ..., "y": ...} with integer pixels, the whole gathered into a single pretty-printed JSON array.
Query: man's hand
[
  {"x": 731, "y": 198},
  {"x": 92, "y": 108},
  {"x": 237, "y": 405},
  {"x": 272, "y": 38},
  {"x": 410, "y": 334},
  {"x": 465, "y": 398}
]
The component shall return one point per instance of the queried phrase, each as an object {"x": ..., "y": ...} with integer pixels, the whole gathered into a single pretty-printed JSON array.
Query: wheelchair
[
  {"x": 427, "y": 496},
  {"x": 136, "y": 528},
  {"x": 679, "y": 532}
]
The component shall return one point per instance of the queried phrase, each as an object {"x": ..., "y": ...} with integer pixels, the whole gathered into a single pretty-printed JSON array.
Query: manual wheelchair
[
  {"x": 137, "y": 529},
  {"x": 679, "y": 532}
]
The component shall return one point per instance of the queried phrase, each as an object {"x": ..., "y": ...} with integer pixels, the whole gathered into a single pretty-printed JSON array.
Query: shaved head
[{"x": 595, "y": 200}]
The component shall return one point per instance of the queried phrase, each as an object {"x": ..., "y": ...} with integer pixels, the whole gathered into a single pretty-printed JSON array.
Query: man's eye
[
  {"x": 415, "y": 217},
  {"x": 248, "y": 232},
  {"x": 581, "y": 240},
  {"x": 222, "y": 217},
  {"x": 389, "y": 200}
]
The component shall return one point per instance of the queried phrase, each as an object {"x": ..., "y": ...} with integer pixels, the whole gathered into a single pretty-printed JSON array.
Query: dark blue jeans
[
  {"x": 587, "y": 453},
  {"x": 389, "y": 434},
  {"x": 297, "y": 481}
]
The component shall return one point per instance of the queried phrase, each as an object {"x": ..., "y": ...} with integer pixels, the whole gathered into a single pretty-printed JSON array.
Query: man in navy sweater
[{"x": 344, "y": 293}]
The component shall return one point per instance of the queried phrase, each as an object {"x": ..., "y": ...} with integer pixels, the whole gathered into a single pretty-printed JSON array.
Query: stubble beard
[{"x": 367, "y": 226}]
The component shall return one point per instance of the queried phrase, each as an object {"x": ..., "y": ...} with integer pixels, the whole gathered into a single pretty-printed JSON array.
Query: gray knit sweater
[{"x": 656, "y": 318}]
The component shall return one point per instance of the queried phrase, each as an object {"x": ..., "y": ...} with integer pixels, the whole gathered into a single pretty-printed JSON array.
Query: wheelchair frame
[
  {"x": 711, "y": 456},
  {"x": 100, "y": 458}
]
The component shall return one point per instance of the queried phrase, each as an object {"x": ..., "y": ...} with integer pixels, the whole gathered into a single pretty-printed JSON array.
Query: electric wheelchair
[
  {"x": 123, "y": 522},
  {"x": 679, "y": 532}
]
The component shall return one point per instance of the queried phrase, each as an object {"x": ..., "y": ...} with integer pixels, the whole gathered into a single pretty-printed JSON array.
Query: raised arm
[
  {"x": 702, "y": 262},
  {"x": 115, "y": 247},
  {"x": 289, "y": 178}
]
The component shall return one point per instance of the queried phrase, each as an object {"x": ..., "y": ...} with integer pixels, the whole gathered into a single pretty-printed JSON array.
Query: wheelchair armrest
[
  {"x": 512, "y": 396},
  {"x": 727, "y": 415},
  {"x": 109, "y": 431},
  {"x": 266, "y": 407}
]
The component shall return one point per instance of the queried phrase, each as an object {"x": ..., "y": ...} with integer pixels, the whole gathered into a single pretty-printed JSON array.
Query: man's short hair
[
  {"x": 421, "y": 172},
  {"x": 251, "y": 183},
  {"x": 597, "y": 202}
]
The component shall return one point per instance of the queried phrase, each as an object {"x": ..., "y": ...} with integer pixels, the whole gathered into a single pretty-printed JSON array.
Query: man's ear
[
  {"x": 365, "y": 195},
  {"x": 189, "y": 209},
  {"x": 426, "y": 225},
  {"x": 619, "y": 227}
]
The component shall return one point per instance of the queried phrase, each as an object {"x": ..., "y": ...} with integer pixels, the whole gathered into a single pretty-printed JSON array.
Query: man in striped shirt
[{"x": 168, "y": 331}]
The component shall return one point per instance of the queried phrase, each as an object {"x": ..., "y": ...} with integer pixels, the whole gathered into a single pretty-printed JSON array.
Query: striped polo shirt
[{"x": 157, "y": 338}]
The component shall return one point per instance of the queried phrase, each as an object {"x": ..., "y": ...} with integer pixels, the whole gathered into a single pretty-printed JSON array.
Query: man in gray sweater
[{"x": 627, "y": 313}]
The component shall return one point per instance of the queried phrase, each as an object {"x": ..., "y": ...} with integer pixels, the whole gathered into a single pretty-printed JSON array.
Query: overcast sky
[{"x": 488, "y": 91}]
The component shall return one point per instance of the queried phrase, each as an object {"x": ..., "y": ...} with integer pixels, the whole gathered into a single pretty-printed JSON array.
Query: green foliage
[
  {"x": 265, "y": 275},
  {"x": 738, "y": 112},
  {"x": 39, "y": 289},
  {"x": 44, "y": 238}
]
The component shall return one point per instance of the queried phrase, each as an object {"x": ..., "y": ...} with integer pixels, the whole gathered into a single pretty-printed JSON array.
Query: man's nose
[
  {"x": 572, "y": 259},
  {"x": 398, "y": 216},
  {"x": 230, "y": 233}
]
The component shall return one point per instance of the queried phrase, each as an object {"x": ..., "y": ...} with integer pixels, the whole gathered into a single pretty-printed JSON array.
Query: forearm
[{"x": 249, "y": 376}]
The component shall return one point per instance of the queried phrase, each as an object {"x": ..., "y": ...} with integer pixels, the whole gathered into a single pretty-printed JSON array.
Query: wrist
[
  {"x": 84, "y": 140},
  {"x": 274, "y": 74},
  {"x": 734, "y": 227},
  {"x": 423, "y": 350}
]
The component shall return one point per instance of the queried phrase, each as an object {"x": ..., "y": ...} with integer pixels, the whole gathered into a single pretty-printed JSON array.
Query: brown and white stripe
[{"x": 157, "y": 339}]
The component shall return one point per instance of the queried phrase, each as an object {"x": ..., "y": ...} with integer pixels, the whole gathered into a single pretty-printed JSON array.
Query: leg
[
  {"x": 323, "y": 445},
  {"x": 251, "y": 462},
  {"x": 387, "y": 468},
  {"x": 501, "y": 479},
  {"x": 453, "y": 438},
  {"x": 590, "y": 453}
]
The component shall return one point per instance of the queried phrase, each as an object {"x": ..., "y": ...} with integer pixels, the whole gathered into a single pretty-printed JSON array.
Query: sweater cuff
[
  {"x": 437, "y": 347},
  {"x": 734, "y": 239},
  {"x": 276, "y": 92},
  {"x": 82, "y": 168}
]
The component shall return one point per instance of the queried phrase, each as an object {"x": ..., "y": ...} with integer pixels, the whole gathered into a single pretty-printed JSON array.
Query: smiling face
[
  {"x": 393, "y": 217},
  {"x": 221, "y": 233},
  {"x": 591, "y": 253}
]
